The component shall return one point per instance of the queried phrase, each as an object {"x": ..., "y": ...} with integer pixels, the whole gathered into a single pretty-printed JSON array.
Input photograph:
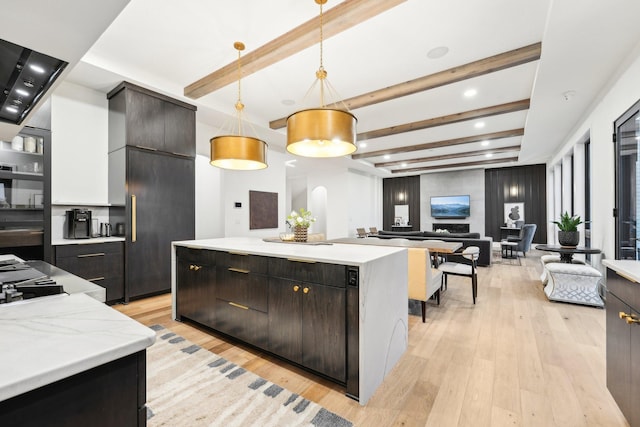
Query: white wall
[
  {"x": 622, "y": 94},
  {"x": 235, "y": 186},
  {"x": 455, "y": 183},
  {"x": 79, "y": 144},
  {"x": 365, "y": 202},
  {"x": 336, "y": 184}
]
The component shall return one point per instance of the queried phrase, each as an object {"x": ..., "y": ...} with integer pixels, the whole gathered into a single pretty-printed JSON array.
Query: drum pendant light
[
  {"x": 238, "y": 152},
  {"x": 322, "y": 131}
]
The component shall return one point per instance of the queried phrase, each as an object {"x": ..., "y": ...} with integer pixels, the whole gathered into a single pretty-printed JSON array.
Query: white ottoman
[
  {"x": 575, "y": 283},
  {"x": 546, "y": 259}
]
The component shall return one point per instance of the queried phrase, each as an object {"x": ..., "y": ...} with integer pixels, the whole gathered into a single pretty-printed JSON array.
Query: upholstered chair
[
  {"x": 424, "y": 280},
  {"x": 524, "y": 239},
  {"x": 465, "y": 269}
]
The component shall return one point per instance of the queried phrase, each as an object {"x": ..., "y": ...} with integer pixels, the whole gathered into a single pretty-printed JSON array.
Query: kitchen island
[
  {"x": 337, "y": 310},
  {"x": 70, "y": 360}
]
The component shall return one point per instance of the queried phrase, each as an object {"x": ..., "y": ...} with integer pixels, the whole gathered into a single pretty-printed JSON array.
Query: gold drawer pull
[
  {"x": 238, "y": 270},
  {"x": 626, "y": 277},
  {"x": 306, "y": 290},
  {"x": 629, "y": 318},
  {"x": 301, "y": 260},
  {"x": 90, "y": 255},
  {"x": 244, "y": 307},
  {"x": 194, "y": 267},
  {"x": 296, "y": 288},
  {"x": 95, "y": 279},
  {"x": 238, "y": 253}
]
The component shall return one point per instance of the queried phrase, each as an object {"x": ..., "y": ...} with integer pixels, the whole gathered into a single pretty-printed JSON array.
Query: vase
[
  {"x": 568, "y": 238},
  {"x": 300, "y": 234}
]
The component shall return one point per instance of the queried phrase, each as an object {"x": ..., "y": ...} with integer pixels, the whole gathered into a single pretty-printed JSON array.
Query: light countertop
[
  {"x": 60, "y": 242},
  {"x": 50, "y": 338},
  {"x": 345, "y": 254},
  {"x": 629, "y": 269}
]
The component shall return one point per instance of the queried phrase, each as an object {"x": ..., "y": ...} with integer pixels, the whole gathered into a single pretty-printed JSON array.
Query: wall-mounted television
[{"x": 450, "y": 206}]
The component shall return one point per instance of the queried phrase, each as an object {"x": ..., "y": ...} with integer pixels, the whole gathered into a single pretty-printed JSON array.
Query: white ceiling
[{"x": 166, "y": 45}]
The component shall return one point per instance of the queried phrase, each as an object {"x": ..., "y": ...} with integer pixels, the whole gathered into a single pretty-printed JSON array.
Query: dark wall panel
[
  {"x": 401, "y": 191},
  {"x": 526, "y": 184}
]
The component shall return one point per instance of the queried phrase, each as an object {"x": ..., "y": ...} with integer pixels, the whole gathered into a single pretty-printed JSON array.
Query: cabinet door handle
[
  {"x": 308, "y": 261},
  {"x": 239, "y": 270},
  {"x": 134, "y": 215},
  {"x": 194, "y": 267},
  {"x": 96, "y": 279},
  {"x": 244, "y": 307},
  {"x": 90, "y": 255},
  {"x": 296, "y": 288},
  {"x": 626, "y": 277},
  {"x": 629, "y": 318},
  {"x": 146, "y": 148},
  {"x": 306, "y": 290}
]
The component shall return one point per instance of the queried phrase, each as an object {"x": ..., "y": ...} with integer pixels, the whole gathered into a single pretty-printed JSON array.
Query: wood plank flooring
[{"x": 513, "y": 359}]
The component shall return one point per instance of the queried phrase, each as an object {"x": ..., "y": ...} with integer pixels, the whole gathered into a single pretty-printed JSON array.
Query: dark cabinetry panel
[
  {"x": 163, "y": 210},
  {"x": 100, "y": 263},
  {"x": 401, "y": 191},
  {"x": 151, "y": 172},
  {"x": 317, "y": 272},
  {"x": 623, "y": 345},
  {"x": 196, "y": 274}
]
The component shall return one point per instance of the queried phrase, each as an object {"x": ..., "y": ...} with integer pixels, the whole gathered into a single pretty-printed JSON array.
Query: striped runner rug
[{"x": 191, "y": 386}]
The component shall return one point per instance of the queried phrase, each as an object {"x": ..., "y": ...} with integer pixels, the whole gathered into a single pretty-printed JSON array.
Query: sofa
[{"x": 467, "y": 239}]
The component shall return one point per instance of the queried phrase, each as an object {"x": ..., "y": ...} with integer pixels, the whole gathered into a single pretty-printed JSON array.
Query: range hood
[{"x": 25, "y": 76}]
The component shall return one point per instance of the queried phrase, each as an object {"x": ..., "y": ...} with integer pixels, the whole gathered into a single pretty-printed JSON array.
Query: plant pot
[
  {"x": 568, "y": 238},
  {"x": 300, "y": 234}
]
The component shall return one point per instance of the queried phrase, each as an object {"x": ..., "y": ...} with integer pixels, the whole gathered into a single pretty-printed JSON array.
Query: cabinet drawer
[
  {"x": 248, "y": 263},
  {"x": 623, "y": 288},
  {"x": 314, "y": 272},
  {"x": 89, "y": 249},
  {"x": 196, "y": 256},
  {"x": 245, "y": 324},
  {"x": 246, "y": 289}
]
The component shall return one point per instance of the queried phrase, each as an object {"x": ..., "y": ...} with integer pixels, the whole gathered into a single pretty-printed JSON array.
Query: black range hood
[{"x": 25, "y": 76}]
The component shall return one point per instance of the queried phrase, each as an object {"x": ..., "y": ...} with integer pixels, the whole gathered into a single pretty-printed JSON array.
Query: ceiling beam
[
  {"x": 440, "y": 144},
  {"x": 494, "y": 110},
  {"x": 456, "y": 165},
  {"x": 335, "y": 20},
  {"x": 450, "y": 156},
  {"x": 478, "y": 68}
]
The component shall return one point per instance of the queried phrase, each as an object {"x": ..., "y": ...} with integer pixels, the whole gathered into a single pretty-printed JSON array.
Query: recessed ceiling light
[
  {"x": 387, "y": 157},
  {"x": 36, "y": 68},
  {"x": 479, "y": 125},
  {"x": 470, "y": 93},
  {"x": 489, "y": 155},
  {"x": 485, "y": 142},
  {"x": 362, "y": 144},
  {"x": 437, "y": 52},
  {"x": 404, "y": 165}
]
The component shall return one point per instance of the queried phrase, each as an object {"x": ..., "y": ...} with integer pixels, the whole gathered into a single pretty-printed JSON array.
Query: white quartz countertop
[
  {"x": 331, "y": 253},
  {"x": 60, "y": 242},
  {"x": 46, "y": 339},
  {"x": 625, "y": 267}
]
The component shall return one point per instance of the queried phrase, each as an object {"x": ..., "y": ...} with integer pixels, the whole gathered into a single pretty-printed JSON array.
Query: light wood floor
[{"x": 512, "y": 359}]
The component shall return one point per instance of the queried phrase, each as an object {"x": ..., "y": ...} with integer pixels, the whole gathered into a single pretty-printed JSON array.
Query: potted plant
[
  {"x": 568, "y": 234},
  {"x": 300, "y": 223}
]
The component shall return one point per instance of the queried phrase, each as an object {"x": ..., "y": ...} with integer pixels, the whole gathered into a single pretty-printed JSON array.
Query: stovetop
[{"x": 20, "y": 281}]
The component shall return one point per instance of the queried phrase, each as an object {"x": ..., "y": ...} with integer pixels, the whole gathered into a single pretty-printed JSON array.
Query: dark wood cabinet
[
  {"x": 293, "y": 309},
  {"x": 196, "y": 274},
  {"x": 100, "y": 263},
  {"x": 152, "y": 121},
  {"x": 623, "y": 344},
  {"x": 307, "y": 324},
  {"x": 151, "y": 174}
]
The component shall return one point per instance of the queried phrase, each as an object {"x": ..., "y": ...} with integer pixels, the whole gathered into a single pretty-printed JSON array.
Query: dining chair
[
  {"x": 373, "y": 230},
  {"x": 361, "y": 232},
  {"x": 468, "y": 268},
  {"x": 524, "y": 239},
  {"x": 424, "y": 280}
]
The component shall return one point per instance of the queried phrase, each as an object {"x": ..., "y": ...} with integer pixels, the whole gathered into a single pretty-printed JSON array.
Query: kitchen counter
[
  {"x": 51, "y": 338},
  {"x": 629, "y": 269},
  {"x": 380, "y": 300},
  {"x": 59, "y": 242}
]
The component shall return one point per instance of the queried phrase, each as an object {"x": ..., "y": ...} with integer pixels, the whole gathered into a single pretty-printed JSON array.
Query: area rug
[
  {"x": 497, "y": 259},
  {"x": 191, "y": 386}
]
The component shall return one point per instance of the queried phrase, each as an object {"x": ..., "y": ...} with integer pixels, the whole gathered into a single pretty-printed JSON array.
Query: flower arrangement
[{"x": 302, "y": 219}]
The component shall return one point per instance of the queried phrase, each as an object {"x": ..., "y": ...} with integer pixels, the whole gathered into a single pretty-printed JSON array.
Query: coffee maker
[{"x": 78, "y": 224}]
